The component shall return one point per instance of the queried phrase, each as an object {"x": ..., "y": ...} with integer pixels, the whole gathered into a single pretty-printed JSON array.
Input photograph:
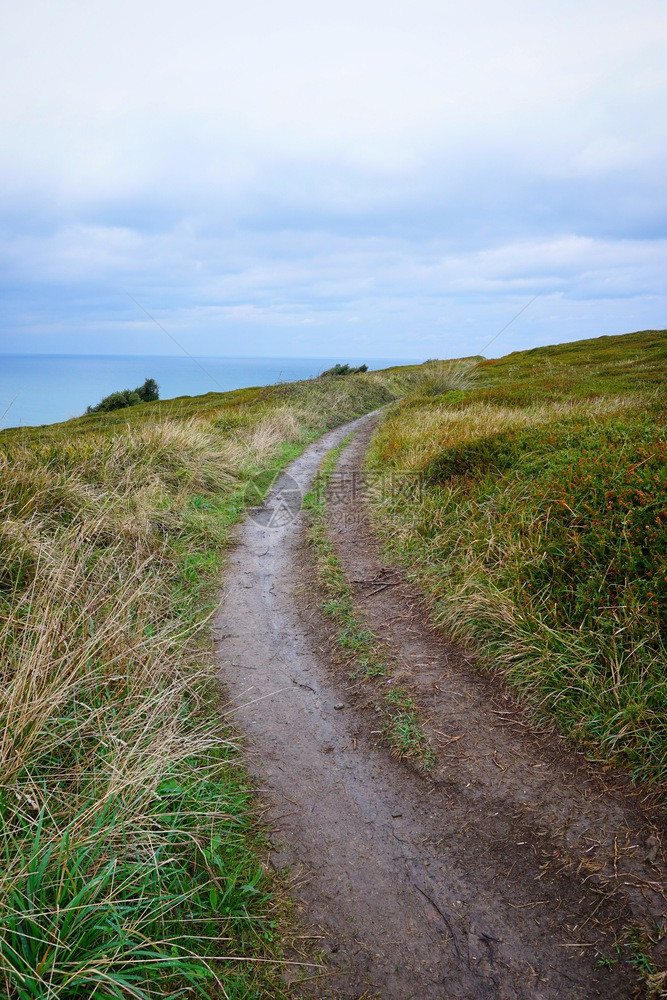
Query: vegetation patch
[
  {"x": 532, "y": 511},
  {"x": 146, "y": 393},
  {"x": 340, "y": 369},
  {"x": 360, "y": 646}
]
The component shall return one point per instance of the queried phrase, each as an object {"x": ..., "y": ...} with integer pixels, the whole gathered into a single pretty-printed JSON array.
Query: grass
[
  {"x": 131, "y": 855},
  {"x": 403, "y": 729},
  {"x": 635, "y": 947},
  {"x": 529, "y": 502},
  {"x": 360, "y": 646}
]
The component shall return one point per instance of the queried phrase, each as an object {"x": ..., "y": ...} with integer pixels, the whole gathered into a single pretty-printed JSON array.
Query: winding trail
[{"x": 478, "y": 881}]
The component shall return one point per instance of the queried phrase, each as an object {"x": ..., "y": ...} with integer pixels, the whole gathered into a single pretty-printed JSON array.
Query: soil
[{"x": 505, "y": 872}]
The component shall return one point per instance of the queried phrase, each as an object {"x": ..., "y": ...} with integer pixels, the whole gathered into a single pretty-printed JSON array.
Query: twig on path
[
  {"x": 383, "y": 587},
  {"x": 443, "y": 915}
]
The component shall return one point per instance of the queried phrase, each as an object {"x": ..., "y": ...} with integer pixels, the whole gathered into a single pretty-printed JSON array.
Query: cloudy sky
[{"x": 367, "y": 178}]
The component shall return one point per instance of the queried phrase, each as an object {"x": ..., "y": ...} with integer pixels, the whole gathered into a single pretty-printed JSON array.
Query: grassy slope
[
  {"x": 129, "y": 848},
  {"x": 534, "y": 514}
]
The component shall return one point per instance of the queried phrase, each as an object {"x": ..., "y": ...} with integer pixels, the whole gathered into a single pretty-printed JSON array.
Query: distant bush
[
  {"x": 116, "y": 401},
  {"x": 146, "y": 393},
  {"x": 344, "y": 370},
  {"x": 149, "y": 391}
]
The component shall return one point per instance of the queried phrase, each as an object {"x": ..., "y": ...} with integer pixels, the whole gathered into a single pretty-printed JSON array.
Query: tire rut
[{"x": 453, "y": 886}]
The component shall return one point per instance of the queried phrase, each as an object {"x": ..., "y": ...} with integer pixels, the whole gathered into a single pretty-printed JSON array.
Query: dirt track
[{"x": 501, "y": 874}]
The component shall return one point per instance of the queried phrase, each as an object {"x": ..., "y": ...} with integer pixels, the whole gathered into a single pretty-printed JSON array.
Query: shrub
[
  {"x": 149, "y": 391},
  {"x": 344, "y": 370},
  {"x": 146, "y": 393}
]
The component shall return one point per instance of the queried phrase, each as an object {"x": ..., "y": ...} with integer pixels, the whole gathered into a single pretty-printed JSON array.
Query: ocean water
[{"x": 45, "y": 388}]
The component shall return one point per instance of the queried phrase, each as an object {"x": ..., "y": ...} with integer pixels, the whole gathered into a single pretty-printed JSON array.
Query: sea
[{"x": 46, "y": 388}]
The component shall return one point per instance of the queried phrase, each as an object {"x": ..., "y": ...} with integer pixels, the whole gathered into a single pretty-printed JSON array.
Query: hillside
[
  {"x": 130, "y": 863},
  {"x": 525, "y": 496},
  {"x": 534, "y": 517}
]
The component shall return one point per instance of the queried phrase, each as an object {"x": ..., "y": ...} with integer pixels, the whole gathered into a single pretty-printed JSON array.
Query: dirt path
[{"x": 491, "y": 878}]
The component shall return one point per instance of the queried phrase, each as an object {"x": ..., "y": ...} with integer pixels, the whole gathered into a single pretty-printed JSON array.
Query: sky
[{"x": 364, "y": 178}]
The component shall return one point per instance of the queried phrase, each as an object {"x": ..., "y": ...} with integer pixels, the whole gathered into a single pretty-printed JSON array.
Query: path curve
[{"x": 403, "y": 909}]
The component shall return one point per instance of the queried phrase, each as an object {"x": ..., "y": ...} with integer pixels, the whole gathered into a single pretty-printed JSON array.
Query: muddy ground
[{"x": 505, "y": 872}]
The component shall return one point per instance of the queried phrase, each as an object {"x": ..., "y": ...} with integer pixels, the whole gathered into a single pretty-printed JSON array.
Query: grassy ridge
[
  {"x": 129, "y": 856},
  {"x": 533, "y": 512}
]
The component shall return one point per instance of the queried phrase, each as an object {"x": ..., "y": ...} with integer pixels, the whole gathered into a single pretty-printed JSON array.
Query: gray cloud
[{"x": 297, "y": 179}]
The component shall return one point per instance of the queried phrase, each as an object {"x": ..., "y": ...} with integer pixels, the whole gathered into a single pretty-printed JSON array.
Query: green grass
[
  {"x": 131, "y": 853},
  {"x": 531, "y": 509},
  {"x": 403, "y": 729},
  {"x": 635, "y": 947},
  {"x": 361, "y": 648}
]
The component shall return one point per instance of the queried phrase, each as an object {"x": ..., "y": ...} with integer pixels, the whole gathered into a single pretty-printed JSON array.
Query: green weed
[{"x": 404, "y": 730}]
